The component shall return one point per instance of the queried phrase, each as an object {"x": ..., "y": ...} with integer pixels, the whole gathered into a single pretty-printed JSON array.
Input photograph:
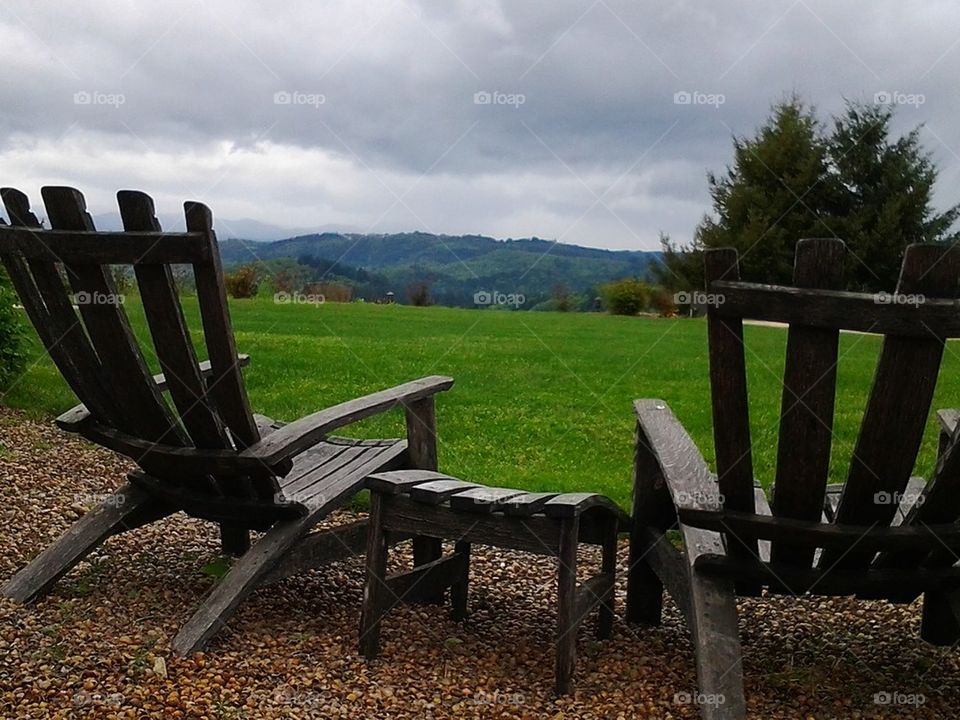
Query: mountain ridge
[{"x": 456, "y": 267}]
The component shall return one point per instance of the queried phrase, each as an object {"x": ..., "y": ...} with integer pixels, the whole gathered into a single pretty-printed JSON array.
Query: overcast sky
[{"x": 589, "y": 122}]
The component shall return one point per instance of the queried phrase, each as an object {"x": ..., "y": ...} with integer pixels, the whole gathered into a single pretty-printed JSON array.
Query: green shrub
[
  {"x": 12, "y": 358},
  {"x": 242, "y": 282},
  {"x": 626, "y": 297}
]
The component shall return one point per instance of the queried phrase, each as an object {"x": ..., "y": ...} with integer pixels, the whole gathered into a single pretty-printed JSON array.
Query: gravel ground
[{"x": 98, "y": 645}]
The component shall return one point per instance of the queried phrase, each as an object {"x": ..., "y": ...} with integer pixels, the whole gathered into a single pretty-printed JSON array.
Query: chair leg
[
  {"x": 644, "y": 587},
  {"x": 939, "y": 624},
  {"x": 608, "y": 567},
  {"x": 567, "y": 606},
  {"x": 458, "y": 590},
  {"x": 425, "y": 550},
  {"x": 374, "y": 603},
  {"x": 125, "y": 509},
  {"x": 234, "y": 540},
  {"x": 244, "y": 577},
  {"x": 716, "y": 642}
]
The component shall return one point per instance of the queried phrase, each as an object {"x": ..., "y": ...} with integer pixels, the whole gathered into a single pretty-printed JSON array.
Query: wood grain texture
[
  {"x": 882, "y": 314},
  {"x": 897, "y": 411},
  {"x": 138, "y": 403},
  {"x": 728, "y": 385},
  {"x": 809, "y": 389}
]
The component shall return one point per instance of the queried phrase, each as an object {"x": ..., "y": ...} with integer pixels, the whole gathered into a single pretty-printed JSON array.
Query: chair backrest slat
[
  {"x": 809, "y": 389},
  {"x": 45, "y": 299},
  {"x": 100, "y": 356},
  {"x": 225, "y": 384},
  {"x": 137, "y": 399},
  {"x": 899, "y": 404},
  {"x": 728, "y": 382},
  {"x": 916, "y": 319},
  {"x": 171, "y": 339}
]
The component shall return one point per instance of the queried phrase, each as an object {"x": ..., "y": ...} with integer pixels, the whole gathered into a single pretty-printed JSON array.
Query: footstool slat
[
  {"x": 482, "y": 499},
  {"x": 397, "y": 481},
  {"x": 527, "y": 503},
  {"x": 435, "y": 492}
]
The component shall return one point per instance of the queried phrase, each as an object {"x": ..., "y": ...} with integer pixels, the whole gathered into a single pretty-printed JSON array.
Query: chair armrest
[
  {"x": 948, "y": 420},
  {"x": 78, "y": 415},
  {"x": 685, "y": 472},
  {"x": 293, "y": 439}
]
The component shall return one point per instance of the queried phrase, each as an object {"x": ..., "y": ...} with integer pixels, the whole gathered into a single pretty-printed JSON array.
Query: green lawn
[{"x": 541, "y": 400}]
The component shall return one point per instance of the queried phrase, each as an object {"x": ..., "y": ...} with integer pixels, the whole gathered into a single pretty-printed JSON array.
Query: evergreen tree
[{"x": 793, "y": 180}]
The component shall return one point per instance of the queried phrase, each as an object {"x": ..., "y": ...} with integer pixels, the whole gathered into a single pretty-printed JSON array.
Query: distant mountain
[
  {"x": 456, "y": 267},
  {"x": 244, "y": 228}
]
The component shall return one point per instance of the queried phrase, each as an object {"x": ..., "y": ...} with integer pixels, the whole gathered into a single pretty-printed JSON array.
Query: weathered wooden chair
[
  {"x": 207, "y": 455},
  {"x": 880, "y": 535}
]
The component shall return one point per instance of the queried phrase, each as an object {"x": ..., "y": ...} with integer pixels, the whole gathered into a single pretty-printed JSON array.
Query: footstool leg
[
  {"x": 608, "y": 568},
  {"x": 374, "y": 601},
  {"x": 458, "y": 590},
  {"x": 567, "y": 605}
]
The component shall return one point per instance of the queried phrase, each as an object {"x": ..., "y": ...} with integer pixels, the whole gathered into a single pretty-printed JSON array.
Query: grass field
[{"x": 541, "y": 401}]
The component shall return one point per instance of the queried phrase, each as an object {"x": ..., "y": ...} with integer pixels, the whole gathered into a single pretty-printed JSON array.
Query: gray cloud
[{"x": 367, "y": 115}]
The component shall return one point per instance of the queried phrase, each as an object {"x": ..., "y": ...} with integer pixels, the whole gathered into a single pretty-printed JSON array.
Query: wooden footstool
[{"x": 433, "y": 507}]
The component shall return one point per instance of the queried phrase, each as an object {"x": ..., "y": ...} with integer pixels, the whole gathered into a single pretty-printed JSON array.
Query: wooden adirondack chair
[
  {"x": 880, "y": 534},
  {"x": 207, "y": 455}
]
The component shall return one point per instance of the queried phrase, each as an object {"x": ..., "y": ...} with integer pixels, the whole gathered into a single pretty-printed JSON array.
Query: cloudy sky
[{"x": 589, "y": 122}]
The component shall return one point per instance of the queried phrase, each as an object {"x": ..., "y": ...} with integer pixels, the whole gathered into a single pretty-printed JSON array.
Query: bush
[
  {"x": 418, "y": 293},
  {"x": 626, "y": 297},
  {"x": 242, "y": 282},
  {"x": 662, "y": 301},
  {"x": 12, "y": 358}
]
